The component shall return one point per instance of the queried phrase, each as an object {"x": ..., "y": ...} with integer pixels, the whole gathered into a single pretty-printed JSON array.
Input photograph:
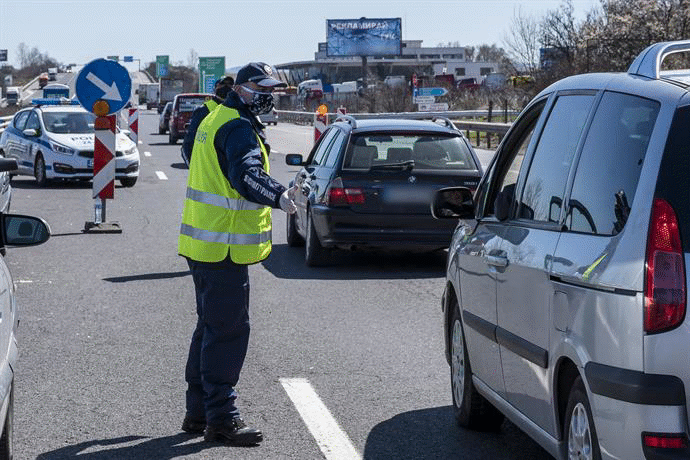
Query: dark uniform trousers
[{"x": 220, "y": 340}]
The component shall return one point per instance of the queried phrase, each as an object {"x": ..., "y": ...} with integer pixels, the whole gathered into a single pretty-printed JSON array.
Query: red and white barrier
[
  {"x": 104, "y": 158},
  {"x": 134, "y": 124}
]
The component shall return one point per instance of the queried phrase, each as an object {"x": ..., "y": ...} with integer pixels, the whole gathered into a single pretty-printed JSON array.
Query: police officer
[
  {"x": 221, "y": 89},
  {"x": 226, "y": 225}
]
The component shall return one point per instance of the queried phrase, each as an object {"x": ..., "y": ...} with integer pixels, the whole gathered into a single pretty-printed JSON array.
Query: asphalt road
[{"x": 106, "y": 320}]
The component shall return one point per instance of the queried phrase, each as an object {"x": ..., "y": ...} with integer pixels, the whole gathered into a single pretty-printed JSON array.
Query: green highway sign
[
  {"x": 162, "y": 63},
  {"x": 211, "y": 69}
]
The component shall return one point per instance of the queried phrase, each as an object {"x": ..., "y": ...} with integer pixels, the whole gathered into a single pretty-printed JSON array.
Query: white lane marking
[
  {"x": 161, "y": 175},
  {"x": 147, "y": 154},
  {"x": 332, "y": 440}
]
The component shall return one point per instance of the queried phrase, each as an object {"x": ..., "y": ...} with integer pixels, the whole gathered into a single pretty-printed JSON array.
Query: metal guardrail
[
  {"x": 490, "y": 130},
  {"x": 4, "y": 121}
]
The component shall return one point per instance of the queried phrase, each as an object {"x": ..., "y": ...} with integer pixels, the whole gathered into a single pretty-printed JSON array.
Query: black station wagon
[{"x": 370, "y": 183}]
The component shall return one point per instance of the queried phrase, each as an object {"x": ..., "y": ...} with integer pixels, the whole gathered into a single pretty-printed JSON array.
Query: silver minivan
[{"x": 566, "y": 295}]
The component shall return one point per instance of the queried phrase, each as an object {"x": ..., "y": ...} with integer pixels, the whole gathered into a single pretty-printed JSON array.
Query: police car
[{"x": 52, "y": 140}]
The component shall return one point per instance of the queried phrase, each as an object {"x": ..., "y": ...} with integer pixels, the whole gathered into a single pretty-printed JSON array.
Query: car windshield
[
  {"x": 69, "y": 122},
  {"x": 408, "y": 150},
  {"x": 189, "y": 104}
]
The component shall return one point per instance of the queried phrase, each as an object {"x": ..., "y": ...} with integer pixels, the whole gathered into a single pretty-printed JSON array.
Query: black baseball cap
[{"x": 259, "y": 73}]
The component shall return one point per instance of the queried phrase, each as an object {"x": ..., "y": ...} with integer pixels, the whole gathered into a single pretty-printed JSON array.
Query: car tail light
[
  {"x": 665, "y": 440},
  {"x": 338, "y": 195},
  {"x": 664, "y": 306}
]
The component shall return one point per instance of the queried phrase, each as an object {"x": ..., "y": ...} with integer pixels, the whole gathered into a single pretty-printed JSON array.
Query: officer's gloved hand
[{"x": 287, "y": 202}]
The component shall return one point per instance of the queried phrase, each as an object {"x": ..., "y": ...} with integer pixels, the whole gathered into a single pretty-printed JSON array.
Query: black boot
[
  {"x": 233, "y": 431},
  {"x": 193, "y": 425}
]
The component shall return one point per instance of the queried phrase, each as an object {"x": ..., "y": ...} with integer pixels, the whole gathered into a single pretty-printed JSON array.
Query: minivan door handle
[{"x": 497, "y": 260}]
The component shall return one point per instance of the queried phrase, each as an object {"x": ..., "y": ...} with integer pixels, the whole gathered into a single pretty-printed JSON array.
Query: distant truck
[
  {"x": 13, "y": 94},
  {"x": 148, "y": 94},
  {"x": 168, "y": 89},
  {"x": 52, "y": 73},
  {"x": 56, "y": 91}
]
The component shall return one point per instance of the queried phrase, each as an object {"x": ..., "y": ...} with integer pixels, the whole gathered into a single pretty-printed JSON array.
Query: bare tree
[
  {"x": 192, "y": 58},
  {"x": 522, "y": 42}
]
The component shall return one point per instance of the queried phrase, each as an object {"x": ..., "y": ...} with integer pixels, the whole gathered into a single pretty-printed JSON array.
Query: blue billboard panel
[{"x": 364, "y": 37}]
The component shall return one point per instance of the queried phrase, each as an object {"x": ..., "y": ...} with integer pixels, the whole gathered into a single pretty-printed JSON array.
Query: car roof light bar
[
  {"x": 648, "y": 62},
  {"x": 52, "y": 101}
]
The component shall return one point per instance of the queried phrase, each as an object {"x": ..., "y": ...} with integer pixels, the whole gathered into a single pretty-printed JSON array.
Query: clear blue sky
[{"x": 276, "y": 32}]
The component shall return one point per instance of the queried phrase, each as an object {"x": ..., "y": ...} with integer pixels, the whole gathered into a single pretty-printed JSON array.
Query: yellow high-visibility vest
[{"x": 217, "y": 221}]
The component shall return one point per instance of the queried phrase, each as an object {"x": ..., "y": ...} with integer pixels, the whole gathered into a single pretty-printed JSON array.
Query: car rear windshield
[
  {"x": 419, "y": 150},
  {"x": 69, "y": 122},
  {"x": 189, "y": 104}
]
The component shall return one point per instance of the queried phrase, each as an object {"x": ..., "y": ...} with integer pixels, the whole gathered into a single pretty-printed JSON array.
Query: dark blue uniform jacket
[{"x": 239, "y": 156}]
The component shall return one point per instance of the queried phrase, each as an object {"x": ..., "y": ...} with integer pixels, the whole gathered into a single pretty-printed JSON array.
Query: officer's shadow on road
[
  {"x": 288, "y": 263},
  {"x": 131, "y": 447},
  {"x": 433, "y": 433}
]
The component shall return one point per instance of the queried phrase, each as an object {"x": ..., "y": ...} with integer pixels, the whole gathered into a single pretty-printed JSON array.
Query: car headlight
[
  {"x": 131, "y": 150},
  {"x": 59, "y": 148}
]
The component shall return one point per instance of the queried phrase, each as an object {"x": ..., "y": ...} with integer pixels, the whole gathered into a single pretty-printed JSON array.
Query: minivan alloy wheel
[
  {"x": 579, "y": 436},
  {"x": 458, "y": 361}
]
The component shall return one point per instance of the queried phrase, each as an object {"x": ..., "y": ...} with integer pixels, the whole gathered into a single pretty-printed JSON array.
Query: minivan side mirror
[
  {"x": 453, "y": 203},
  {"x": 30, "y": 132},
  {"x": 18, "y": 230},
  {"x": 294, "y": 159}
]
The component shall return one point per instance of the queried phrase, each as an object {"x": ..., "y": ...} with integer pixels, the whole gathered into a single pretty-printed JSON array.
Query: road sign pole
[
  {"x": 104, "y": 87},
  {"x": 103, "y": 174}
]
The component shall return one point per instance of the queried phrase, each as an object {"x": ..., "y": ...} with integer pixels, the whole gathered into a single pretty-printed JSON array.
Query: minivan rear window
[{"x": 419, "y": 150}]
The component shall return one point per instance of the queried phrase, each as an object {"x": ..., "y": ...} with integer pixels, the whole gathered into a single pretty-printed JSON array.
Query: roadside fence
[{"x": 489, "y": 132}]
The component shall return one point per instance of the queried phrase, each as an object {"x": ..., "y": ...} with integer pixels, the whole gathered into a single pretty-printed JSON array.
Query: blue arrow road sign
[
  {"x": 106, "y": 80},
  {"x": 432, "y": 91}
]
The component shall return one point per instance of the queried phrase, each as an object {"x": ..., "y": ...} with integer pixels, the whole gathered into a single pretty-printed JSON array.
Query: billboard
[
  {"x": 364, "y": 37},
  {"x": 210, "y": 70}
]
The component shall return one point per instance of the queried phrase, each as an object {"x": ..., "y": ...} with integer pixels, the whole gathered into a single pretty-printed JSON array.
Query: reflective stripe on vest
[
  {"x": 224, "y": 238},
  {"x": 217, "y": 221},
  {"x": 223, "y": 201}
]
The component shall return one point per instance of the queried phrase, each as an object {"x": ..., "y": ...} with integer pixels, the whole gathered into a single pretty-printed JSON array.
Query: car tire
[
  {"x": 294, "y": 239},
  {"x": 314, "y": 254},
  {"x": 6, "y": 442},
  {"x": 578, "y": 430},
  {"x": 161, "y": 130},
  {"x": 40, "y": 171},
  {"x": 128, "y": 181},
  {"x": 471, "y": 409}
]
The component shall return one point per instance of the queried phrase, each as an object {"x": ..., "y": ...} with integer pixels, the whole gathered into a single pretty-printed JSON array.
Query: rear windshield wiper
[{"x": 407, "y": 164}]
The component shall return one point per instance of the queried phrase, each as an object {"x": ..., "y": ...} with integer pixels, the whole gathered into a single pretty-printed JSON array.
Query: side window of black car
[
  {"x": 542, "y": 195},
  {"x": 610, "y": 164},
  {"x": 324, "y": 142},
  {"x": 334, "y": 149}
]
